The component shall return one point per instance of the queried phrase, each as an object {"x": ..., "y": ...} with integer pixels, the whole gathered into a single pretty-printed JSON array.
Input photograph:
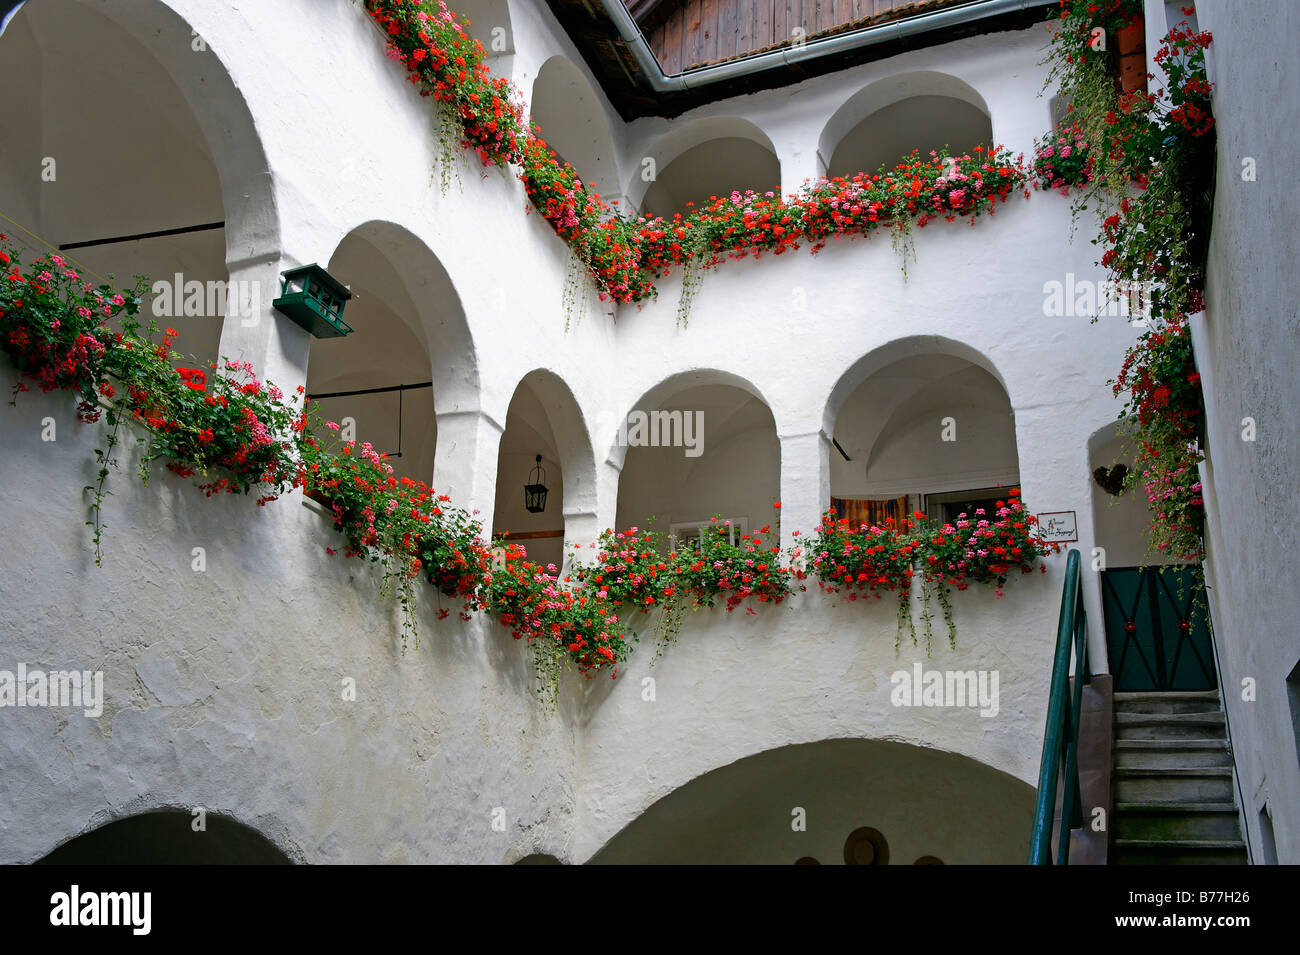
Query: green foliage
[{"x": 1153, "y": 158}]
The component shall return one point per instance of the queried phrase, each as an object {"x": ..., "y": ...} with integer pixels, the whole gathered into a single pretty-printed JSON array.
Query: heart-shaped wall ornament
[{"x": 1111, "y": 480}]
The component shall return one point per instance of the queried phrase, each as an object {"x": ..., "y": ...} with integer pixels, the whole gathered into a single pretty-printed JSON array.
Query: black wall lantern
[
  {"x": 535, "y": 489},
  {"x": 314, "y": 299}
]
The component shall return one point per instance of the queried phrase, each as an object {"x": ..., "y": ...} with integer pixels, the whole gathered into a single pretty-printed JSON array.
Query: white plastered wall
[
  {"x": 348, "y": 142},
  {"x": 1245, "y": 351}
]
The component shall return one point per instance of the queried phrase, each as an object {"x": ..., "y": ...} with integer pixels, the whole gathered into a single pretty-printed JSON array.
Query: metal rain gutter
[{"x": 813, "y": 49}]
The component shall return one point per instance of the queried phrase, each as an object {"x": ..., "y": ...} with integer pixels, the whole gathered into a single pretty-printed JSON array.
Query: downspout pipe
[{"x": 797, "y": 53}]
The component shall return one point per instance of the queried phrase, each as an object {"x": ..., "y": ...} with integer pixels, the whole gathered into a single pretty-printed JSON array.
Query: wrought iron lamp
[{"x": 535, "y": 490}]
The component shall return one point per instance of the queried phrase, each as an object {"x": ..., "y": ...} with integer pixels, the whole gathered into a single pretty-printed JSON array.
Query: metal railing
[{"x": 1060, "y": 766}]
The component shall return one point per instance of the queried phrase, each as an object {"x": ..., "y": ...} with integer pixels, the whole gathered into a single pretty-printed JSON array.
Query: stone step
[
  {"x": 1169, "y": 726},
  {"x": 1199, "y": 784},
  {"x": 1177, "y": 852},
  {"x": 1171, "y": 753},
  {"x": 1206, "y": 701},
  {"x": 1161, "y": 822}
]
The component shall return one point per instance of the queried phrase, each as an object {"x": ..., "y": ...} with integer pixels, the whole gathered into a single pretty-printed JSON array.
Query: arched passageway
[
  {"x": 1120, "y": 516},
  {"x": 408, "y": 330},
  {"x": 699, "y": 445},
  {"x": 571, "y": 120},
  {"x": 168, "y": 837},
  {"x": 488, "y": 22},
  {"x": 931, "y": 429},
  {"x": 882, "y": 123},
  {"x": 544, "y": 420},
  {"x": 174, "y": 184},
  {"x": 703, "y": 159},
  {"x": 834, "y": 802}
]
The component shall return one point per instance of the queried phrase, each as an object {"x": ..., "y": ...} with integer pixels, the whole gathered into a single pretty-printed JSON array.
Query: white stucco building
[{"x": 287, "y": 134}]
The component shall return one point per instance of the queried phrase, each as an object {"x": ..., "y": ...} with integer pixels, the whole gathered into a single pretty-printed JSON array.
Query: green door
[{"x": 1157, "y": 628}]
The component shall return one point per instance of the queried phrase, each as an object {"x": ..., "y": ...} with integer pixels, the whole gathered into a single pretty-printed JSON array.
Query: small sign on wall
[{"x": 1060, "y": 527}]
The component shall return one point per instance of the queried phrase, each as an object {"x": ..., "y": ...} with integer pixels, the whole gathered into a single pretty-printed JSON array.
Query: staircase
[{"x": 1172, "y": 782}]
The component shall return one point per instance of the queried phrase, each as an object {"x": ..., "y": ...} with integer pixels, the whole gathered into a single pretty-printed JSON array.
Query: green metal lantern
[
  {"x": 314, "y": 299},
  {"x": 535, "y": 490}
]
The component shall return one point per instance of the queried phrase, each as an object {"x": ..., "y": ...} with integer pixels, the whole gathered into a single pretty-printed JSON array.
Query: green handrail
[{"x": 1060, "y": 765}]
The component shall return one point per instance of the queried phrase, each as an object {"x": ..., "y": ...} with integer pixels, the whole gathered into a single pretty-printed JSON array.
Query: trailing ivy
[
  {"x": 639, "y": 571},
  {"x": 871, "y": 560},
  {"x": 1149, "y": 174},
  {"x": 232, "y": 433},
  {"x": 626, "y": 254}
]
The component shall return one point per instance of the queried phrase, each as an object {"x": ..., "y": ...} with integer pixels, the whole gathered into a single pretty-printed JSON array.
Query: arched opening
[
  {"x": 544, "y": 419},
  {"x": 919, "y": 122},
  {"x": 168, "y": 837},
  {"x": 8, "y": 10},
  {"x": 489, "y": 23},
  {"x": 699, "y": 445},
  {"x": 384, "y": 351},
  {"x": 568, "y": 112},
  {"x": 1154, "y": 610},
  {"x": 881, "y": 124},
  {"x": 925, "y": 428},
  {"x": 1119, "y": 517},
  {"x": 175, "y": 185},
  {"x": 708, "y": 158},
  {"x": 860, "y": 802},
  {"x": 409, "y": 354}
]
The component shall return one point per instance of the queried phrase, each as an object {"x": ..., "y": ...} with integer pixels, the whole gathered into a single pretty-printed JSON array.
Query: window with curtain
[{"x": 871, "y": 511}]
